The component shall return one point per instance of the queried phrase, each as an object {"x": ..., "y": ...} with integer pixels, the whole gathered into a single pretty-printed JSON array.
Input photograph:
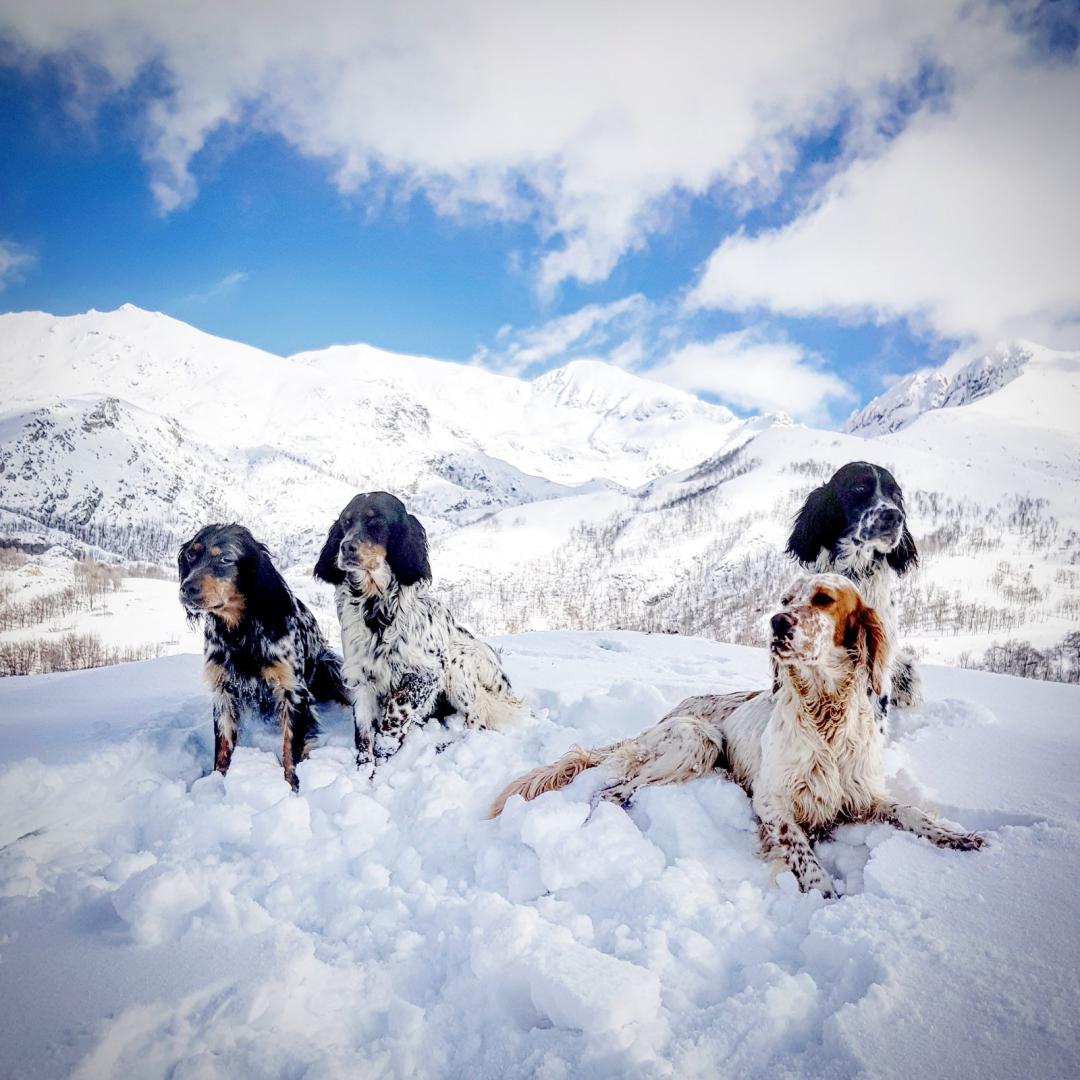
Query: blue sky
[{"x": 761, "y": 251}]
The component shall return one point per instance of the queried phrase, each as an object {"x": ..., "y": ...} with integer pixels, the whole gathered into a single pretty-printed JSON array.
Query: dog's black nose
[
  {"x": 349, "y": 549},
  {"x": 781, "y": 624},
  {"x": 889, "y": 517},
  {"x": 189, "y": 589}
]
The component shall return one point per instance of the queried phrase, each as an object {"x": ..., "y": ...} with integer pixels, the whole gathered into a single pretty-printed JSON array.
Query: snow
[{"x": 158, "y": 921}]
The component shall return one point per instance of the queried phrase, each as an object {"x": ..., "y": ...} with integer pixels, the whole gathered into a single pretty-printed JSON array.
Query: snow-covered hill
[
  {"x": 586, "y": 498},
  {"x": 160, "y": 922}
]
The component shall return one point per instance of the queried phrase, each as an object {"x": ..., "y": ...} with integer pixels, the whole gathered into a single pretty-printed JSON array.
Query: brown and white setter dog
[
  {"x": 807, "y": 752},
  {"x": 406, "y": 659},
  {"x": 263, "y": 648},
  {"x": 856, "y": 525}
]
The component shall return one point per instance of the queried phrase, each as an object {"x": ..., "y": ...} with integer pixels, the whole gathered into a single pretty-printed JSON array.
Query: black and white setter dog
[
  {"x": 406, "y": 658},
  {"x": 807, "y": 753},
  {"x": 263, "y": 648},
  {"x": 855, "y": 525}
]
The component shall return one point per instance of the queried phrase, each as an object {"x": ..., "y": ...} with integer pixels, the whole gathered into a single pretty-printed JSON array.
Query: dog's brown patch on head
[
  {"x": 196, "y": 547},
  {"x": 279, "y": 675},
  {"x": 845, "y": 610},
  {"x": 221, "y": 598},
  {"x": 215, "y": 551}
]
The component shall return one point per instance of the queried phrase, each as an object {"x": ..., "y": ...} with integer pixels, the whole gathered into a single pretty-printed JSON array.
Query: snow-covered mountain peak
[
  {"x": 606, "y": 389},
  {"x": 961, "y": 381}
]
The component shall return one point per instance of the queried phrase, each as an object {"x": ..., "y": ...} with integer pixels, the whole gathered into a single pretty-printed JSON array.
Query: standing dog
[
  {"x": 406, "y": 657},
  {"x": 263, "y": 648},
  {"x": 807, "y": 753},
  {"x": 856, "y": 525}
]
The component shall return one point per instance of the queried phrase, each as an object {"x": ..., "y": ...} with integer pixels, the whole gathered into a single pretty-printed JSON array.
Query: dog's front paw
[
  {"x": 386, "y": 746},
  {"x": 816, "y": 877}
]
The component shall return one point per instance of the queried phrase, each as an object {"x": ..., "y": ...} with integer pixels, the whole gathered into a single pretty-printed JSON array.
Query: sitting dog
[
  {"x": 807, "y": 753},
  {"x": 263, "y": 648},
  {"x": 406, "y": 659},
  {"x": 855, "y": 525}
]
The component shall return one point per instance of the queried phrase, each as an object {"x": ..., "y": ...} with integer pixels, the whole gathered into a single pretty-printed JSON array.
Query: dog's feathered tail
[
  {"x": 327, "y": 681},
  {"x": 494, "y": 704},
  {"x": 549, "y": 777}
]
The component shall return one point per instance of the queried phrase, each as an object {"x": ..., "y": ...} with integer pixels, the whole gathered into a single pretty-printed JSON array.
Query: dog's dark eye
[
  {"x": 226, "y": 560},
  {"x": 821, "y": 599}
]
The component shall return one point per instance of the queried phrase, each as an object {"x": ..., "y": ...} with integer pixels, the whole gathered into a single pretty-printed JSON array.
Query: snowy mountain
[
  {"x": 586, "y": 498},
  {"x": 127, "y": 418},
  {"x": 943, "y": 388},
  {"x": 158, "y": 921}
]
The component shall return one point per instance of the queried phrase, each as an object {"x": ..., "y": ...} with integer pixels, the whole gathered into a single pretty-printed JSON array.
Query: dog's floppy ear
[
  {"x": 866, "y": 636},
  {"x": 817, "y": 525},
  {"x": 407, "y": 551},
  {"x": 180, "y": 559},
  {"x": 905, "y": 555},
  {"x": 268, "y": 597},
  {"x": 327, "y": 569}
]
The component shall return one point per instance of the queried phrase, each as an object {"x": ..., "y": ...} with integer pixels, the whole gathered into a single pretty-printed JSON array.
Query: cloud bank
[
  {"x": 966, "y": 223},
  {"x": 584, "y": 119}
]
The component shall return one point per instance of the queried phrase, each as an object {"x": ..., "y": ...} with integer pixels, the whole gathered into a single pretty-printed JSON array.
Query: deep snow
[{"x": 155, "y": 921}]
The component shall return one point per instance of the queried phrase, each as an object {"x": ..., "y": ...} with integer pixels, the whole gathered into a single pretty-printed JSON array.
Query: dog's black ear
[
  {"x": 407, "y": 551},
  {"x": 327, "y": 569},
  {"x": 180, "y": 560},
  {"x": 269, "y": 598},
  {"x": 905, "y": 555},
  {"x": 817, "y": 525}
]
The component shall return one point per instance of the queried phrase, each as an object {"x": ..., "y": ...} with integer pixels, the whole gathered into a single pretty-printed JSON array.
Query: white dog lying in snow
[{"x": 807, "y": 753}]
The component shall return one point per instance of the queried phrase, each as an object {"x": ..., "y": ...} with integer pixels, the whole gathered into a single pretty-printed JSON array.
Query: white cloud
[
  {"x": 751, "y": 369},
  {"x": 966, "y": 222},
  {"x": 14, "y": 259},
  {"x": 220, "y": 288},
  {"x": 585, "y": 119},
  {"x": 756, "y": 374},
  {"x": 587, "y": 331}
]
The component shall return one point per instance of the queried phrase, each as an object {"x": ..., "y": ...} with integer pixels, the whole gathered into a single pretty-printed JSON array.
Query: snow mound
[{"x": 159, "y": 921}]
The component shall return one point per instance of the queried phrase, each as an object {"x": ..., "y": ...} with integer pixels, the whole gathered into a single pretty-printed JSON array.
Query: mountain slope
[
  {"x": 283, "y": 443},
  {"x": 992, "y": 496},
  {"x": 1036, "y": 398}
]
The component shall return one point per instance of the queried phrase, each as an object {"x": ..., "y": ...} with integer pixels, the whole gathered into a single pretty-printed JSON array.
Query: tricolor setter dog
[
  {"x": 856, "y": 525},
  {"x": 807, "y": 752},
  {"x": 263, "y": 648},
  {"x": 407, "y": 659}
]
